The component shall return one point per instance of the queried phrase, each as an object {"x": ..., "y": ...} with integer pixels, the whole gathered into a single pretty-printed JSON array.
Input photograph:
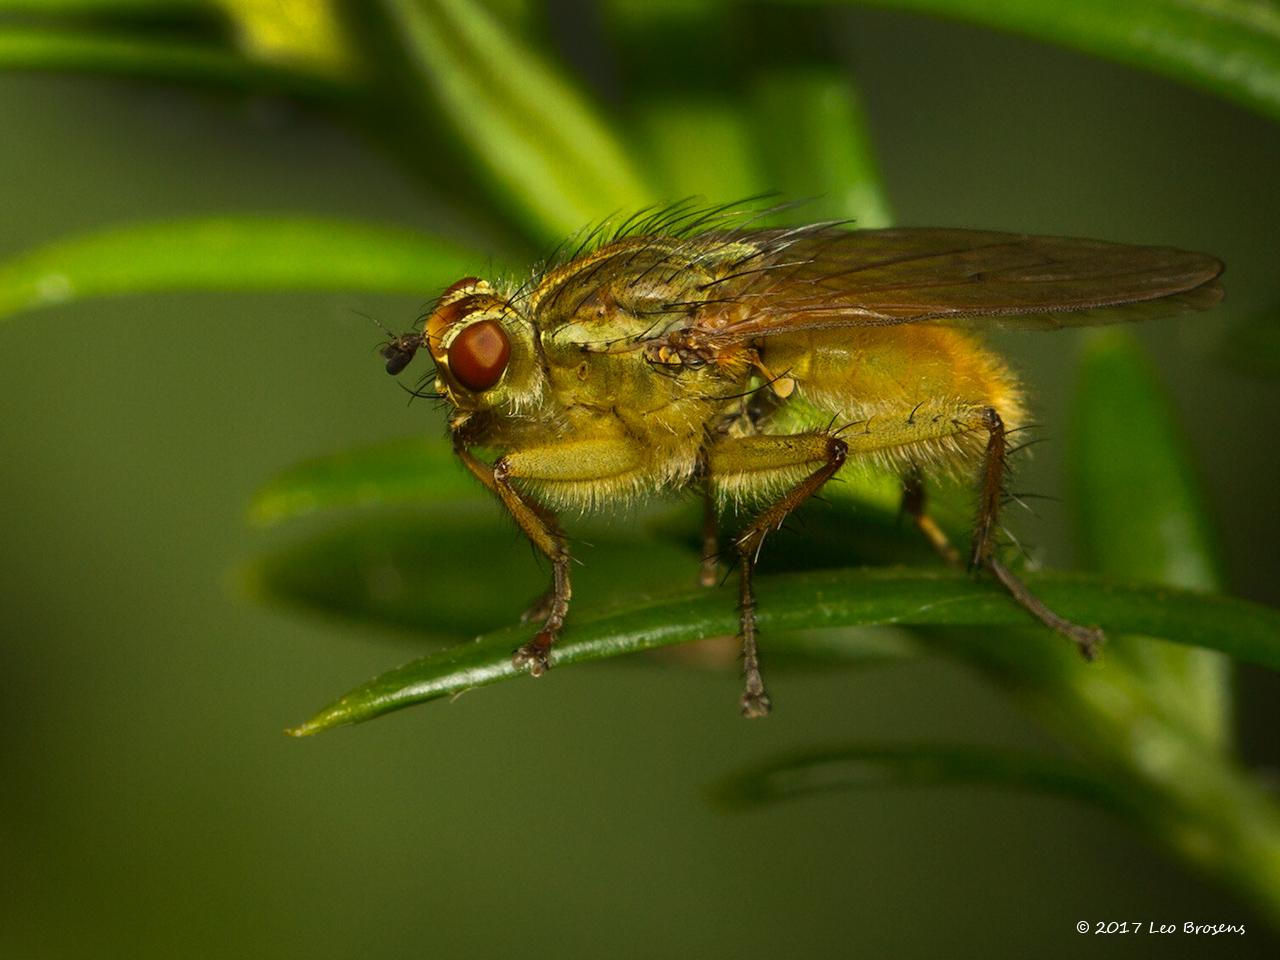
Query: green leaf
[
  {"x": 435, "y": 574},
  {"x": 537, "y": 139},
  {"x": 862, "y": 766},
  {"x": 1141, "y": 516},
  {"x": 826, "y": 599},
  {"x": 307, "y": 33},
  {"x": 1230, "y": 47},
  {"x": 157, "y": 58},
  {"x": 455, "y": 570},
  {"x": 814, "y": 138},
  {"x": 679, "y": 132},
  {"x": 800, "y": 131},
  {"x": 683, "y": 118},
  {"x": 1236, "y": 836},
  {"x": 231, "y": 253},
  {"x": 857, "y": 520},
  {"x": 431, "y": 568},
  {"x": 194, "y": 9},
  {"x": 403, "y": 470},
  {"x": 1252, "y": 344},
  {"x": 1140, "y": 509}
]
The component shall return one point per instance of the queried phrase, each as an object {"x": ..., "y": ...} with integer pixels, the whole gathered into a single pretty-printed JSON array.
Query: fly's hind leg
[
  {"x": 740, "y": 464},
  {"x": 1086, "y": 639},
  {"x": 941, "y": 430}
]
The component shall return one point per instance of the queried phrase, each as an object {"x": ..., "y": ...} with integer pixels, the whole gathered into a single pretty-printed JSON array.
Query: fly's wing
[{"x": 823, "y": 278}]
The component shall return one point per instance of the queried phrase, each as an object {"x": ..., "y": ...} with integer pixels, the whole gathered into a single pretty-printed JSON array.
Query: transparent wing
[{"x": 822, "y": 278}]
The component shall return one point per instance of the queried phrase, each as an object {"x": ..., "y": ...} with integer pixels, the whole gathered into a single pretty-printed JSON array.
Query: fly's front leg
[
  {"x": 540, "y": 526},
  {"x": 589, "y": 463},
  {"x": 545, "y": 534},
  {"x": 484, "y": 473},
  {"x": 1086, "y": 639},
  {"x": 747, "y": 463}
]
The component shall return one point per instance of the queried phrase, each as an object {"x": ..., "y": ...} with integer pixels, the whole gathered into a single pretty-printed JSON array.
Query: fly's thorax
[
  {"x": 665, "y": 390},
  {"x": 485, "y": 350}
]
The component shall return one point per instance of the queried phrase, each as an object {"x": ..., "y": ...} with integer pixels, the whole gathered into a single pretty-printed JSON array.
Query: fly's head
[{"x": 484, "y": 350}]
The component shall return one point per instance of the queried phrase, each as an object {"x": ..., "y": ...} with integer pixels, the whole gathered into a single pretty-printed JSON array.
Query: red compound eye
[
  {"x": 478, "y": 357},
  {"x": 459, "y": 285}
]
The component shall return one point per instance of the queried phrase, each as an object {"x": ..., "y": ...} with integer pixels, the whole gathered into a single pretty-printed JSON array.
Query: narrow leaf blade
[
  {"x": 865, "y": 766},
  {"x": 1232, "y": 49},
  {"x": 691, "y": 125},
  {"x": 531, "y": 131},
  {"x": 402, "y": 471},
  {"x": 813, "y": 134},
  {"x": 1141, "y": 515},
  {"x": 231, "y": 254},
  {"x": 1140, "y": 509},
  {"x": 453, "y": 569},
  {"x": 825, "y": 599},
  {"x": 148, "y": 58}
]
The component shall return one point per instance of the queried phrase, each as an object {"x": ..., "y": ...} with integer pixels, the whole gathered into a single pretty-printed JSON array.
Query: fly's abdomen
[
  {"x": 856, "y": 372},
  {"x": 912, "y": 396}
]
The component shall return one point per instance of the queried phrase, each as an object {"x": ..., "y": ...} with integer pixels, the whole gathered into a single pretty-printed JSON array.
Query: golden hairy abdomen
[
  {"x": 894, "y": 380},
  {"x": 853, "y": 370}
]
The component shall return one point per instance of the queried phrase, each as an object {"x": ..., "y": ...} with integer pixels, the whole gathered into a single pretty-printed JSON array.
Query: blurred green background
[{"x": 150, "y": 805}]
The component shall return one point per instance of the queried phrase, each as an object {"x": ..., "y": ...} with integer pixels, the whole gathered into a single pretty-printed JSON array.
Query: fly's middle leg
[
  {"x": 913, "y": 504},
  {"x": 750, "y": 462},
  {"x": 709, "y": 568}
]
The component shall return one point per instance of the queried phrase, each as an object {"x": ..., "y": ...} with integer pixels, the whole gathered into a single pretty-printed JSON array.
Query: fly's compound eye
[
  {"x": 478, "y": 356},
  {"x": 458, "y": 285}
]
